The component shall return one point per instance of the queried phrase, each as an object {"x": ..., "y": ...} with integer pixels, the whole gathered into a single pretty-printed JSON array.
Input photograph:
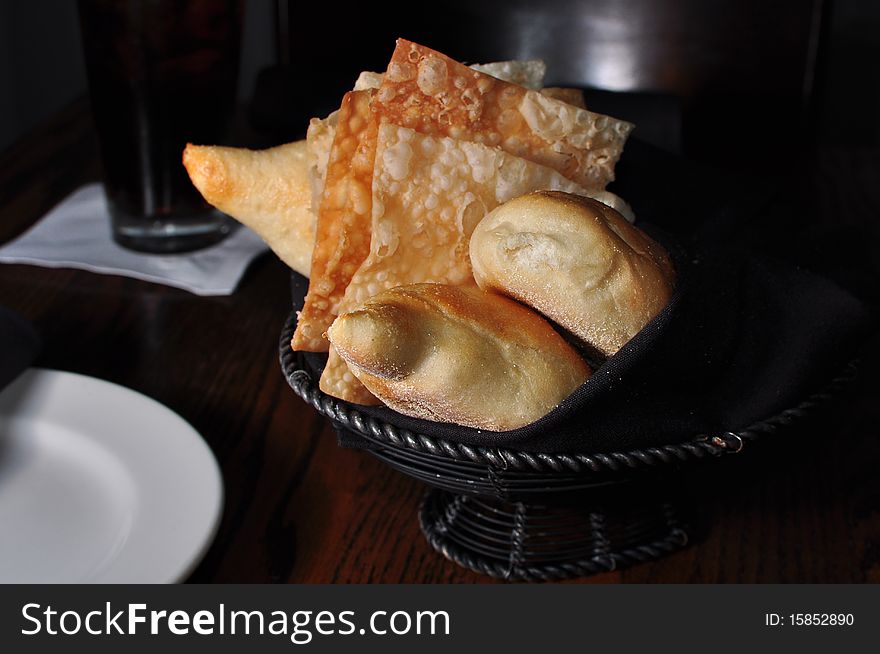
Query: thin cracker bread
[
  {"x": 367, "y": 80},
  {"x": 525, "y": 72},
  {"x": 339, "y": 381},
  {"x": 319, "y": 141},
  {"x": 448, "y": 111},
  {"x": 343, "y": 232},
  {"x": 566, "y": 94},
  {"x": 428, "y": 195},
  {"x": 433, "y": 94}
]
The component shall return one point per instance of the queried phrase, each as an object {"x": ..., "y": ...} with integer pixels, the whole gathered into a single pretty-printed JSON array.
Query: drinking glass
[{"x": 161, "y": 73}]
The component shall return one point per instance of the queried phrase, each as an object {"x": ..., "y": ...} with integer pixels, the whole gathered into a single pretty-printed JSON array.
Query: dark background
[
  {"x": 42, "y": 69},
  {"x": 801, "y": 69}
]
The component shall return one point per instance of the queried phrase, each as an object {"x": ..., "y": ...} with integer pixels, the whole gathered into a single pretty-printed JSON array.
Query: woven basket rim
[{"x": 388, "y": 435}]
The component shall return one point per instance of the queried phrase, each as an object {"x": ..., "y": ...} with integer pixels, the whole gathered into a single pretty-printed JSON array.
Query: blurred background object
[
  {"x": 42, "y": 67},
  {"x": 709, "y": 78},
  {"x": 162, "y": 73},
  {"x": 717, "y": 79}
]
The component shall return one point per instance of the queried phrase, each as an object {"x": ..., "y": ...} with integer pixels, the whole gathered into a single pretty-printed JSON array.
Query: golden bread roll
[
  {"x": 577, "y": 261},
  {"x": 267, "y": 190},
  {"x": 457, "y": 354}
]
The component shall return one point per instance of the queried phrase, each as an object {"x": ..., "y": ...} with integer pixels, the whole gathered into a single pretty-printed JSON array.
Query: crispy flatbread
[
  {"x": 565, "y": 94},
  {"x": 343, "y": 231},
  {"x": 339, "y": 381},
  {"x": 367, "y": 80},
  {"x": 433, "y": 94},
  {"x": 267, "y": 190},
  {"x": 334, "y": 266},
  {"x": 525, "y": 72},
  {"x": 319, "y": 140},
  {"x": 428, "y": 195}
]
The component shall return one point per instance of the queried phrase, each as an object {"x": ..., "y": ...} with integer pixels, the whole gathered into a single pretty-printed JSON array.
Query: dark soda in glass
[{"x": 161, "y": 73}]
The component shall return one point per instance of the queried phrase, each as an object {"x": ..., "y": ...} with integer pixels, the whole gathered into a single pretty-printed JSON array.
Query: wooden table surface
[{"x": 301, "y": 509}]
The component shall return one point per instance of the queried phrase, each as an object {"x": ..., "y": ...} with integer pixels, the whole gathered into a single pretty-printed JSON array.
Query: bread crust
[
  {"x": 457, "y": 354},
  {"x": 577, "y": 261}
]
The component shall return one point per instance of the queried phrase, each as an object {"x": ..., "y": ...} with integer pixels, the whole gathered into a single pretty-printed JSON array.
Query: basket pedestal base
[{"x": 534, "y": 542}]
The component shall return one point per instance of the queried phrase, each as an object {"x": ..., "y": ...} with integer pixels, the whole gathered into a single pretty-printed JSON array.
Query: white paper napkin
[{"x": 76, "y": 234}]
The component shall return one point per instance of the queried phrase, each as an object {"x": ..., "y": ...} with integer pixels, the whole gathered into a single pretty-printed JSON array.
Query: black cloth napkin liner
[
  {"x": 19, "y": 345},
  {"x": 745, "y": 336}
]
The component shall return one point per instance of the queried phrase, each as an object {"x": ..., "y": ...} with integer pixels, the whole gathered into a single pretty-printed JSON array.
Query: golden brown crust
[
  {"x": 457, "y": 354},
  {"x": 577, "y": 261}
]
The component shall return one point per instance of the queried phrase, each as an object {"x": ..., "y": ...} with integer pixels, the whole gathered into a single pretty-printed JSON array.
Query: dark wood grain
[{"x": 301, "y": 509}]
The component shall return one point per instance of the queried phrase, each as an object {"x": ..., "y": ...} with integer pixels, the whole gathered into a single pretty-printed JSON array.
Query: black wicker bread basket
[{"x": 529, "y": 516}]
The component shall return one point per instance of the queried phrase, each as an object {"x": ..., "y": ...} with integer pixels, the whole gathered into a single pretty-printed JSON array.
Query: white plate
[{"x": 99, "y": 484}]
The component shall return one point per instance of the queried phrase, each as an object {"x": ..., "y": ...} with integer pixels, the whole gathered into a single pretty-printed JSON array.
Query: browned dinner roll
[
  {"x": 577, "y": 261},
  {"x": 458, "y": 354}
]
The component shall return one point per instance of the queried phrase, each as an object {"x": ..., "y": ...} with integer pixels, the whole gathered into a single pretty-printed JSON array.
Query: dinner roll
[
  {"x": 577, "y": 261},
  {"x": 457, "y": 354}
]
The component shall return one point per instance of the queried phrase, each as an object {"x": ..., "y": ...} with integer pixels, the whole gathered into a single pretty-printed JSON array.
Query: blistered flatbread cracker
[
  {"x": 525, "y": 72},
  {"x": 319, "y": 140},
  {"x": 267, "y": 190},
  {"x": 433, "y": 94},
  {"x": 325, "y": 289},
  {"x": 339, "y": 381},
  {"x": 342, "y": 239},
  {"x": 428, "y": 195},
  {"x": 565, "y": 94},
  {"x": 368, "y": 80}
]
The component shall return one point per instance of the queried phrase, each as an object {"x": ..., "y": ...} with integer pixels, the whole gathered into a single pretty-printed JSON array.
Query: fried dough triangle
[
  {"x": 433, "y": 94},
  {"x": 267, "y": 190},
  {"x": 342, "y": 239}
]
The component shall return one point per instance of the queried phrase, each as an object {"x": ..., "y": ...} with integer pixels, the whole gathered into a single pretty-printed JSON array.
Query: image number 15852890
[{"x": 809, "y": 620}]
